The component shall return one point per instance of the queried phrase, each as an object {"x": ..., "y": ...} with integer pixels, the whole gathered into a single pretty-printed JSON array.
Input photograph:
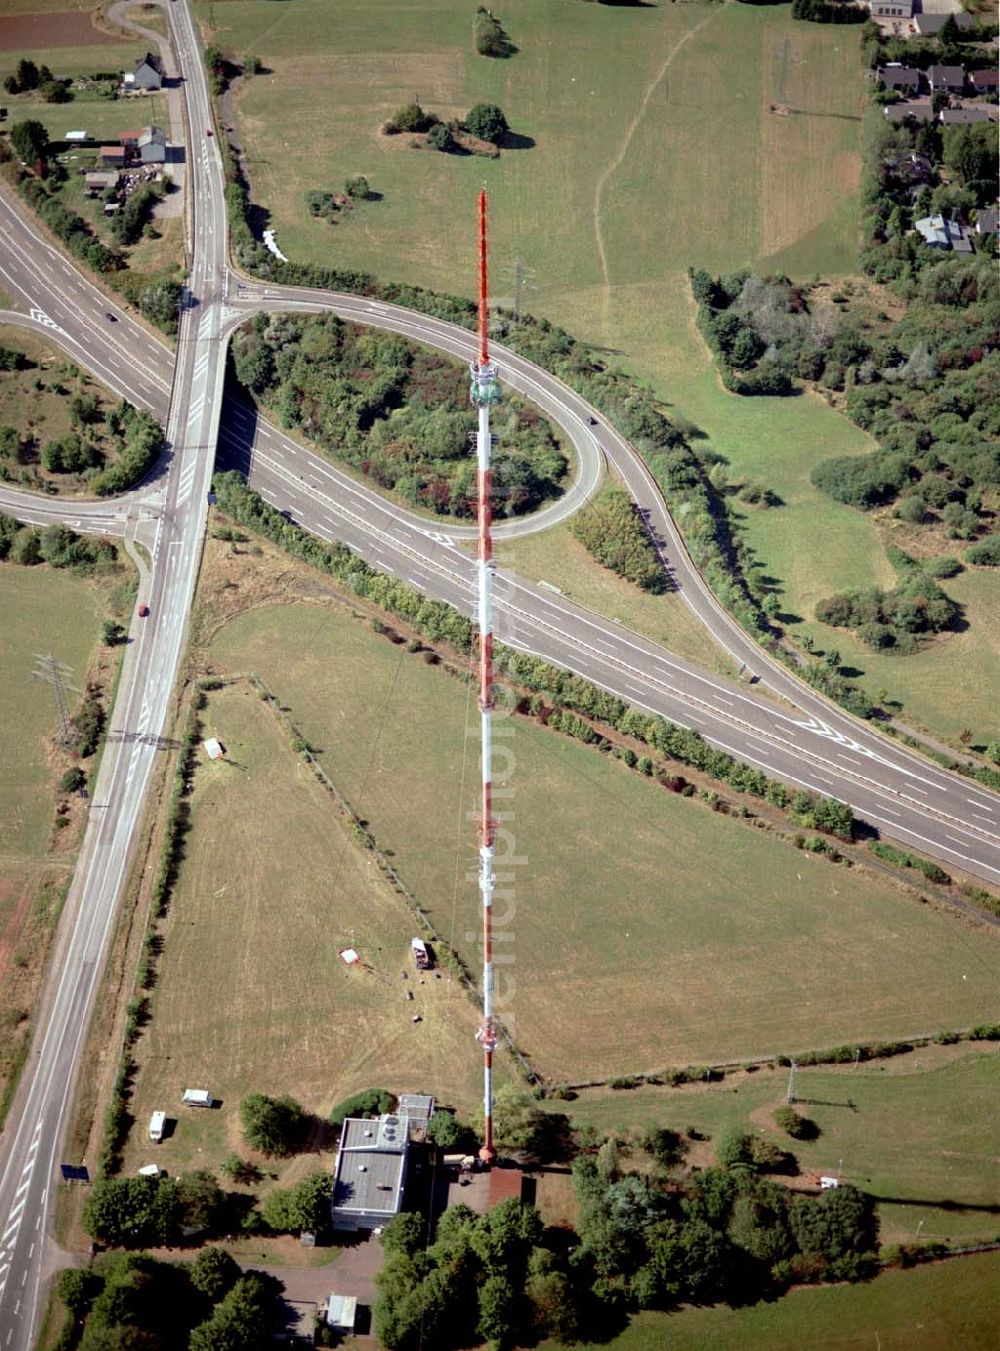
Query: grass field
[
  {"x": 251, "y": 993},
  {"x": 554, "y": 556},
  {"x": 915, "y": 1131},
  {"x": 734, "y": 942},
  {"x": 934, "y": 1308}
]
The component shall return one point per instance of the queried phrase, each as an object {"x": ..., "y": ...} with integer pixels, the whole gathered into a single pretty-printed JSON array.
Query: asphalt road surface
[{"x": 797, "y": 736}]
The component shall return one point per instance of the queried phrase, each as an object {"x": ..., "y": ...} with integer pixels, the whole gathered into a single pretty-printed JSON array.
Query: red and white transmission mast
[{"x": 485, "y": 392}]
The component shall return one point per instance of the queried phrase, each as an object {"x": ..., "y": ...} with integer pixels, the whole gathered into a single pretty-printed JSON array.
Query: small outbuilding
[
  {"x": 341, "y": 1313},
  {"x": 214, "y": 748}
]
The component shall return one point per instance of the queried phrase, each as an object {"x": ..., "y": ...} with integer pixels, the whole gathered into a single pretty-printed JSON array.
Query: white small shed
[
  {"x": 213, "y": 748},
  {"x": 341, "y": 1312}
]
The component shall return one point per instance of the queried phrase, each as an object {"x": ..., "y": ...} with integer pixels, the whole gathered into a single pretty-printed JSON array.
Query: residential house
[
  {"x": 946, "y": 79},
  {"x": 891, "y": 9},
  {"x": 151, "y": 146},
  {"x": 929, "y": 25},
  {"x": 985, "y": 81},
  {"x": 917, "y": 111},
  {"x": 941, "y": 233},
  {"x": 902, "y": 79},
  {"x": 148, "y": 73},
  {"x": 971, "y": 112},
  {"x": 987, "y": 220}
]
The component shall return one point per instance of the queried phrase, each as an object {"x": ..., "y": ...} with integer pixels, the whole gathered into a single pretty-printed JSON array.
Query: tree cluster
[
  {"x": 611, "y": 528},
  {"x": 397, "y": 412},
  {"x": 483, "y": 1279},
  {"x": 129, "y": 221},
  {"x": 134, "y": 1300},
  {"x": 137, "y": 1212},
  {"x": 893, "y": 621},
  {"x": 370, "y": 1102},
  {"x": 485, "y": 121},
  {"x": 28, "y": 77},
  {"x": 729, "y": 1234}
]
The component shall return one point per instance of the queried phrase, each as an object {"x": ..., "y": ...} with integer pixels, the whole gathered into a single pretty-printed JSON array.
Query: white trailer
[
  {"x": 157, "y": 1126},
  {"x": 197, "y": 1097}
]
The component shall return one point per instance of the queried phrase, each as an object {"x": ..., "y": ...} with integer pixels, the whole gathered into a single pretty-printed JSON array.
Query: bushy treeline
[
  {"x": 138, "y": 439},
  {"x": 56, "y": 545},
  {"x": 398, "y": 412},
  {"x": 135, "y": 1300},
  {"x": 829, "y": 11},
  {"x": 894, "y": 621},
  {"x": 560, "y": 688},
  {"x": 611, "y": 528}
]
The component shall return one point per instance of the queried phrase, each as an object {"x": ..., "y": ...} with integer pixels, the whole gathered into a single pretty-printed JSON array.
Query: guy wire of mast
[{"x": 485, "y": 391}]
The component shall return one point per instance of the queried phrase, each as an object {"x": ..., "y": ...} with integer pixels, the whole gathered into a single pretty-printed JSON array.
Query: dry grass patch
[{"x": 251, "y": 993}]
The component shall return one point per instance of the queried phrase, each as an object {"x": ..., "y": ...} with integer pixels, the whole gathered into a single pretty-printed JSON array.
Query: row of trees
[
  {"x": 485, "y": 121},
  {"x": 397, "y": 412},
  {"x": 56, "y": 545}
]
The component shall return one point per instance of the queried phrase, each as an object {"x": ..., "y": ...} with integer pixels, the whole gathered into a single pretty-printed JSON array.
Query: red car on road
[{"x": 143, "y": 611}]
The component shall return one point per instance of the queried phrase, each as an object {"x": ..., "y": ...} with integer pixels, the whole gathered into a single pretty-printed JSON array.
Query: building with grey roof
[
  {"x": 370, "y": 1172},
  {"x": 968, "y": 114},
  {"x": 929, "y": 25}
]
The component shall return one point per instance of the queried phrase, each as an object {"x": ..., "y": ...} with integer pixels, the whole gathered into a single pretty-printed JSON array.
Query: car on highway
[
  {"x": 111, "y": 318},
  {"x": 143, "y": 611},
  {"x": 208, "y": 131},
  {"x": 592, "y": 421}
]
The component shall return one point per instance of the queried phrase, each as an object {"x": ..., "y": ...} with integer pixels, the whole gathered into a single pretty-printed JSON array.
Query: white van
[
  {"x": 157, "y": 1126},
  {"x": 197, "y": 1097}
]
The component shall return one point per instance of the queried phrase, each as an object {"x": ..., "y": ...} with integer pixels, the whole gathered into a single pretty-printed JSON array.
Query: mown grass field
[
  {"x": 251, "y": 993},
  {"x": 734, "y": 943},
  {"x": 916, "y": 1131},
  {"x": 933, "y": 1308},
  {"x": 555, "y": 557}
]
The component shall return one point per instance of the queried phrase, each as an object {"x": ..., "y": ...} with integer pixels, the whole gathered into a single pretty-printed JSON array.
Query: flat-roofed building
[{"x": 370, "y": 1172}]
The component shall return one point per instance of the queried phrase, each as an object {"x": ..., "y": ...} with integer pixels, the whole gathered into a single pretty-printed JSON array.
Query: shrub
[
  {"x": 798, "y": 1127},
  {"x": 72, "y": 780},
  {"x": 985, "y": 554},
  {"x": 487, "y": 122},
  {"x": 369, "y": 1102}
]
